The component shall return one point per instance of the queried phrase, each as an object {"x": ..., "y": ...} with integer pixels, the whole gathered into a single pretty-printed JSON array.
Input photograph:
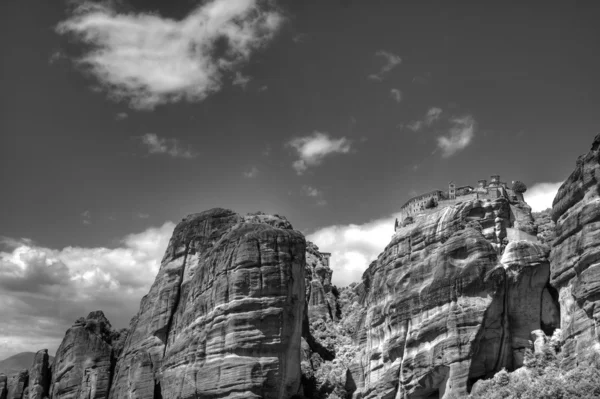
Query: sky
[{"x": 120, "y": 117}]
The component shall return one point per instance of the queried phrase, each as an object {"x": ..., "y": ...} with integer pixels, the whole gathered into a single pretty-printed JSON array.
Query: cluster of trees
[{"x": 542, "y": 377}]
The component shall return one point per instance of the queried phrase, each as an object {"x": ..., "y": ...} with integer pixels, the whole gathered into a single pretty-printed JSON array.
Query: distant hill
[{"x": 18, "y": 362}]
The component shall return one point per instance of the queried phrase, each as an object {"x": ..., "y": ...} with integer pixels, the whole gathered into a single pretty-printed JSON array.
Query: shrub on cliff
[
  {"x": 519, "y": 187},
  {"x": 542, "y": 377}
]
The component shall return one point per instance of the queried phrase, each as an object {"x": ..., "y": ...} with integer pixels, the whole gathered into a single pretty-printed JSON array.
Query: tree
[{"x": 519, "y": 187}]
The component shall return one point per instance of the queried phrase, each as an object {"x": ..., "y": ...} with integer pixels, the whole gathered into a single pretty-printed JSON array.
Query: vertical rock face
[
  {"x": 440, "y": 311},
  {"x": 575, "y": 257},
  {"x": 3, "y": 386},
  {"x": 17, "y": 384},
  {"x": 223, "y": 318},
  {"x": 319, "y": 294},
  {"x": 39, "y": 375},
  {"x": 84, "y": 360}
]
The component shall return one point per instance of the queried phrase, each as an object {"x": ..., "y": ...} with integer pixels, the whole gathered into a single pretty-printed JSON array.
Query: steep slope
[
  {"x": 575, "y": 257},
  {"x": 452, "y": 300},
  {"x": 85, "y": 359},
  {"x": 224, "y": 315}
]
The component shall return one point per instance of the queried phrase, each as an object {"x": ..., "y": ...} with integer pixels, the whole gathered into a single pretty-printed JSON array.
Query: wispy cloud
[
  {"x": 313, "y": 192},
  {"x": 251, "y": 173},
  {"x": 459, "y": 136},
  {"x": 121, "y": 115},
  {"x": 391, "y": 61},
  {"x": 148, "y": 60},
  {"x": 353, "y": 246},
  {"x": 396, "y": 95},
  {"x": 171, "y": 147},
  {"x": 263, "y": 88},
  {"x": 241, "y": 80},
  {"x": 86, "y": 217},
  {"x": 142, "y": 215},
  {"x": 312, "y": 149},
  {"x": 540, "y": 195},
  {"x": 432, "y": 115}
]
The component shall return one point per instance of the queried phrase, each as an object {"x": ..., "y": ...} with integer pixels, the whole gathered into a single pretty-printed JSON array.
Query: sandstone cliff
[
  {"x": 85, "y": 359},
  {"x": 452, "y": 300},
  {"x": 575, "y": 257},
  {"x": 224, "y": 315}
]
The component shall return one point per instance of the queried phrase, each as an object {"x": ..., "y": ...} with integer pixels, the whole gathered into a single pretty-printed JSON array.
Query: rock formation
[
  {"x": 39, "y": 376},
  {"x": 575, "y": 257},
  {"x": 224, "y": 315},
  {"x": 3, "y": 386},
  {"x": 17, "y": 384},
  {"x": 84, "y": 360},
  {"x": 243, "y": 307},
  {"x": 448, "y": 302}
]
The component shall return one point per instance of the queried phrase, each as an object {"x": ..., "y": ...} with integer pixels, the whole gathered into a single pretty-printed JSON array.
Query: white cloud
[
  {"x": 240, "y": 80},
  {"x": 252, "y": 173},
  {"x": 149, "y": 60},
  {"x": 415, "y": 126},
  {"x": 86, "y": 217},
  {"x": 540, "y": 195},
  {"x": 391, "y": 61},
  {"x": 459, "y": 136},
  {"x": 432, "y": 115},
  {"x": 172, "y": 147},
  {"x": 311, "y": 191},
  {"x": 43, "y": 290},
  {"x": 121, "y": 115},
  {"x": 314, "y": 148},
  {"x": 353, "y": 247},
  {"x": 396, "y": 95}
]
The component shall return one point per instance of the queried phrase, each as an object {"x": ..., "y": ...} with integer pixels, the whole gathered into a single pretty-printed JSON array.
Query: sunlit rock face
[
  {"x": 575, "y": 257},
  {"x": 223, "y": 318},
  {"x": 320, "y": 298},
  {"x": 440, "y": 311},
  {"x": 84, "y": 360}
]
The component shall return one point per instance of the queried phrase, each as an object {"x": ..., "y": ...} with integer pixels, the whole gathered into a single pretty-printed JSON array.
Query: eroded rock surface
[
  {"x": 39, "y": 376},
  {"x": 575, "y": 257},
  {"x": 84, "y": 361},
  {"x": 223, "y": 318},
  {"x": 449, "y": 302},
  {"x": 3, "y": 386},
  {"x": 17, "y": 384}
]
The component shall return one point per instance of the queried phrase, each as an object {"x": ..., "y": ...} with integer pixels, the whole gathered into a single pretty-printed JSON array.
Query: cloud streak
[
  {"x": 391, "y": 61},
  {"x": 459, "y": 136},
  {"x": 313, "y": 149},
  {"x": 171, "y": 147},
  {"x": 148, "y": 60}
]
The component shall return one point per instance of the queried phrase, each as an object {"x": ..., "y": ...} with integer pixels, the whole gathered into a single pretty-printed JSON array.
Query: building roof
[{"x": 420, "y": 196}]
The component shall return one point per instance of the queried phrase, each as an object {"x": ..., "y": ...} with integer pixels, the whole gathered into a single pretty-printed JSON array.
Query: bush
[{"x": 519, "y": 187}]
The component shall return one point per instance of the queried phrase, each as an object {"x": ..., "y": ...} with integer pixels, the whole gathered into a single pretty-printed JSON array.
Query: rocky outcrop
[
  {"x": 320, "y": 297},
  {"x": 39, "y": 375},
  {"x": 85, "y": 359},
  {"x": 17, "y": 384},
  {"x": 575, "y": 257},
  {"x": 448, "y": 303},
  {"x": 224, "y": 315},
  {"x": 3, "y": 386}
]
